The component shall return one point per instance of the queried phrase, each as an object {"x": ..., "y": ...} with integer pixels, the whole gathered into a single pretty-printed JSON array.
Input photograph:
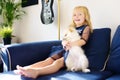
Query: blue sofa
[{"x": 103, "y": 56}]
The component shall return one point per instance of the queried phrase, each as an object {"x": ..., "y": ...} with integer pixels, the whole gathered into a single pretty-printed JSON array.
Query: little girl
[{"x": 81, "y": 21}]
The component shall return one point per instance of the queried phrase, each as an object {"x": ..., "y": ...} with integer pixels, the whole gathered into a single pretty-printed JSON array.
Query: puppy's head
[{"x": 71, "y": 34}]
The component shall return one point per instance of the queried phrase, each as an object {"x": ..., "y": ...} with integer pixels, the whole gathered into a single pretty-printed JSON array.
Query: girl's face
[{"x": 78, "y": 18}]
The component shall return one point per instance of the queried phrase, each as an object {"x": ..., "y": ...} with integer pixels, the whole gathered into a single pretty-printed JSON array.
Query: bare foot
[
  {"x": 17, "y": 72},
  {"x": 28, "y": 72}
]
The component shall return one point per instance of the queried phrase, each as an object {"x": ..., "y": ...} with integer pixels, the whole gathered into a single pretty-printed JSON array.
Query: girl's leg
[
  {"x": 43, "y": 63},
  {"x": 35, "y": 72},
  {"x": 39, "y": 64}
]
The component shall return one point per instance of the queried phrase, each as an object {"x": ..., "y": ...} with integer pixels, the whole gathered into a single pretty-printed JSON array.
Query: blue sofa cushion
[
  {"x": 97, "y": 48},
  {"x": 114, "y": 77},
  {"x": 61, "y": 75},
  {"x": 10, "y": 75},
  {"x": 114, "y": 59},
  {"x": 66, "y": 75}
]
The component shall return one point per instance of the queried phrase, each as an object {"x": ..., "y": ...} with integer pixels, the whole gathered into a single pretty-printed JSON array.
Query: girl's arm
[{"x": 84, "y": 38}]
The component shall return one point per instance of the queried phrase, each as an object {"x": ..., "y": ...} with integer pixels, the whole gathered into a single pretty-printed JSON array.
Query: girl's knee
[
  {"x": 59, "y": 62},
  {"x": 49, "y": 59}
]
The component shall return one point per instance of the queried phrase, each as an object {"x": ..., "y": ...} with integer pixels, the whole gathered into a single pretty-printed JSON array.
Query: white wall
[{"x": 104, "y": 13}]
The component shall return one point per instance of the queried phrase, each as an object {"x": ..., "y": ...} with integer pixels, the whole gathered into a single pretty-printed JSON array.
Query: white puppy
[{"x": 76, "y": 59}]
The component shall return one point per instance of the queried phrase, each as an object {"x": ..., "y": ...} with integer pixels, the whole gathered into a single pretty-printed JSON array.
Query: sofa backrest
[
  {"x": 113, "y": 63},
  {"x": 97, "y": 48}
]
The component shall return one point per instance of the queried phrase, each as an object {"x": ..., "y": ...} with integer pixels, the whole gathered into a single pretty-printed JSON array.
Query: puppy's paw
[
  {"x": 74, "y": 69},
  {"x": 68, "y": 69},
  {"x": 86, "y": 70}
]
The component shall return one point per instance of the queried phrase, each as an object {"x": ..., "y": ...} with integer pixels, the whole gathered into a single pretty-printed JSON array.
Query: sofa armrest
[{"x": 25, "y": 53}]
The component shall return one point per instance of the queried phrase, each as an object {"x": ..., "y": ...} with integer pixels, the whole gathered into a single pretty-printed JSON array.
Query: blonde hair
[{"x": 87, "y": 16}]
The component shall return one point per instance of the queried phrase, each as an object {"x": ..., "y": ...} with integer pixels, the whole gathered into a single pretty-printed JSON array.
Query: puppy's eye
[{"x": 65, "y": 34}]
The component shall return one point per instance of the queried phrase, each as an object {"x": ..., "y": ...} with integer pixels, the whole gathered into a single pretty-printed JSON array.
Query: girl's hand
[{"x": 66, "y": 45}]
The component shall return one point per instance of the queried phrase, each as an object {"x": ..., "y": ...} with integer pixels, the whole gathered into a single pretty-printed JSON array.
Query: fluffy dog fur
[{"x": 76, "y": 59}]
